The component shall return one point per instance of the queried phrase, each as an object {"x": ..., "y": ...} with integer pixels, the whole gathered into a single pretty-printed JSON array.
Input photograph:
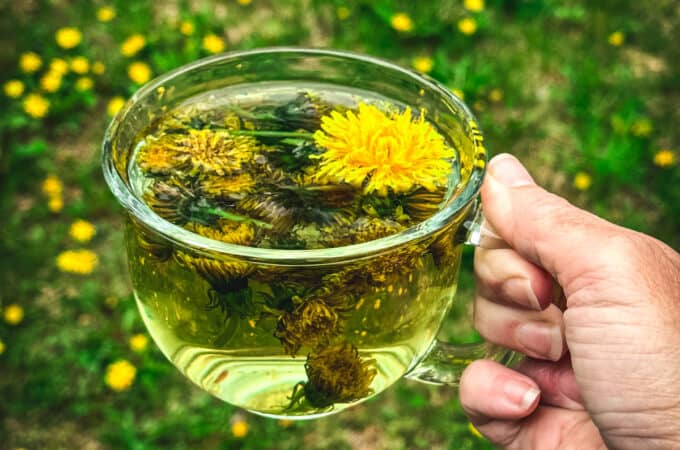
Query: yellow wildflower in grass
[
  {"x": 213, "y": 44},
  {"x": 139, "y": 72},
  {"x": 106, "y": 14},
  {"x": 376, "y": 151},
  {"x": 81, "y": 262},
  {"x": 14, "y": 88},
  {"x": 84, "y": 84},
  {"x": 50, "y": 82},
  {"x": 641, "y": 127},
  {"x": 244, "y": 2},
  {"x": 68, "y": 37},
  {"x": 14, "y": 314},
  {"x": 55, "y": 204},
  {"x": 423, "y": 64},
  {"x": 239, "y": 428},
  {"x": 2, "y": 347},
  {"x": 36, "y": 106},
  {"x": 474, "y": 5},
  {"x": 58, "y": 65},
  {"x": 139, "y": 342},
  {"x": 467, "y": 26},
  {"x": 80, "y": 65},
  {"x": 120, "y": 375},
  {"x": 342, "y": 12},
  {"x": 474, "y": 431},
  {"x": 186, "y": 28},
  {"x": 132, "y": 45},
  {"x": 82, "y": 230},
  {"x": 401, "y": 22},
  {"x": 458, "y": 93},
  {"x": 616, "y": 39},
  {"x": 115, "y": 104},
  {"x": 30, "y": 62},
  {"x": 52, "y": 186},
  {"x": 664, "y": 158},
  {"x": 98, "y": 68},
  {"x": 582, "y": 181},
  {"x": 496, "y": 95}
]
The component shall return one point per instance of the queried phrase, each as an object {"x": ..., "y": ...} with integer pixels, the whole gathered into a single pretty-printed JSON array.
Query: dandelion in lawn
[
  {"x": 36, "y": 106},
  {"x": 458, "y": 93},
  {"x": 58, "y": 65},
  {"x": 213, "y": 44},
  {"x": 68, "y": 37},
  {"x": 139, "y": 342},
  {"x": 55, "y": 204},
  {"x": 114, "y": 105},
  {"x": 239, "y": 428},
  {"x": 139, "y": 72},
  {"x": 80, "y": 65},
  {"x": 496, "y": 95},
  {"x": 120, "y": 375},
  {"x": 641, "y": 127},
  {"x": 132, "y": 45},
  {"x": 52, "y": 185},
  {"x": 30, "y": 62},
  {"x": 664, "y": 158},
  {"x": 84, "y": 84},
  {"x": 186, "y": 28},
  {"x": 2, "y": 347},
  {"x": 13, "y": 314},
  {"x": 474, "y": 5},
  {"x": 50, "y": 82},
  {"x": 244, "y": 2},
  {"x": 423, "y": 64},
  {"x": 402, "y": 22},
  {"x": 14, "y": 88},
  {"x": 81, "y": 262},
  {"x": 98, "y": 68},
  {"x": 616, "y": 39},
  {"x": 467, "y": 26},
  {"x": 106, "y": 14},
  {"x": 582, "y": 181},
  {"x": 342, "y": 12},
  {"x": 376, "y": 151},
  {"x": 82, "y": 230}
]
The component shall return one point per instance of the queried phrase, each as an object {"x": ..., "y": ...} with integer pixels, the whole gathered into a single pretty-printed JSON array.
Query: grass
[{"x": 588, "y": 118}]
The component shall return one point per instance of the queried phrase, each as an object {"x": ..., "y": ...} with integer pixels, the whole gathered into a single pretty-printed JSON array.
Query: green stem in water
[
  {"x": 249, "y": 115},
  {"x": 268, "y": 133},
  {"x": 238, "y": 218}
]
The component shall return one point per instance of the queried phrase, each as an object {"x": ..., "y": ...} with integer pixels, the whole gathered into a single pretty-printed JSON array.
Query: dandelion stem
[{"x": 238, "y": 218}]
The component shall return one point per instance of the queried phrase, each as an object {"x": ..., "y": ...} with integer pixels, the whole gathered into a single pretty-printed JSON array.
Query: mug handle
[{"x": 444, "y": 362}]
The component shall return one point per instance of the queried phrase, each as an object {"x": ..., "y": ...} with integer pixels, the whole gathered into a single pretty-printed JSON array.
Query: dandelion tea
[{"x": 287, "y": 167}]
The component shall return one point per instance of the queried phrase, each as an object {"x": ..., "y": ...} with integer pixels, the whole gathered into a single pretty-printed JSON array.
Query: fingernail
[
  {"x": 507, "y": 170},
  {"x": 541, "y": 340},
  {"x": 520, "y": 393},
  {"x": 520, "y": 289}
]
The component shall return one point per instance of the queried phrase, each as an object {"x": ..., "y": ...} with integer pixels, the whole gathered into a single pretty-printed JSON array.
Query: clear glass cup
[{"x": 366, "y": 314}]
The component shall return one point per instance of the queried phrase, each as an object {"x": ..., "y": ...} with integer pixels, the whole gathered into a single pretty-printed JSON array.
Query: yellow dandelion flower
[
  {"x": 14, "y": 314},
  {"x": 80, "y": 65},
  {"x": 496, "y": 95},
  {"x": 423, "y": 64},
  {"x": 132, "y": 45},
  {"x": 55, "y": 204},
  {"x": 81, "y": 262},
  {"x": 582, "y": 181},
  {"x": 106, "y": 14},
  {"x": 139, "y": 72},
  {"x": 2, "y": 347},
  {"x": 84, "y": 84},
  {"x": 377, "y": 152},
  {"x": 68, "y": 37},
  {"x": 120, "y": 375},
  {"x": 616, "y": 39},
  {"x": 115, "y": 104},
  {"x": 401, "y": 22},
  {"x": 36, "y": 105},
  {"x": 82, "y": 230},
  {"x": 58, "y": 65},
  {"x": 342, "y": 12},
  {"x": 14, "y": 88},
  {"x": 50, "y": 82},
  {"x": 98, "y": 68},
  {"x": 244, "y": 2},
  {"x": 641, "y": 127},
  {"x": 467, "y": 26},
  {"x": 138, "y": 342},
  {"x": 186, "y": 28},
  {"x": 239, "y": 428},
  {"x": 474, "y": 5},
  {"x": 213, "y": 44},
  {"x": 30, "y": 62},
  {"x": 664, "y": 158},
  {"x": 474, "y": 431},
  {"x": 52, "y": 185},
  {"x": 458, "y": 93}
]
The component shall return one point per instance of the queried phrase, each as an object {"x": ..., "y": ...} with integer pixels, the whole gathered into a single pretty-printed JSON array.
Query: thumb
[{"x": 542, "y": 227}]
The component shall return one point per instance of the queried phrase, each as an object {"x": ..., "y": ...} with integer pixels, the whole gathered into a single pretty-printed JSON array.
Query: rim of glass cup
[{"x": 184, "y": 238}]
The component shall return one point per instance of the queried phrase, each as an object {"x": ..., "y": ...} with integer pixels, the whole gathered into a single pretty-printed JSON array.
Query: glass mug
[{"x": 366, "y": 314}]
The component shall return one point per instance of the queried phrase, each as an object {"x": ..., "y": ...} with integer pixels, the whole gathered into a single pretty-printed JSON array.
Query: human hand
[{"x": 603, "y": 373}]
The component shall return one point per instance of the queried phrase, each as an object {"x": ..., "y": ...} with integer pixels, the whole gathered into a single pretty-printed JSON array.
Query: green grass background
[{"x": 571, "y": 103}]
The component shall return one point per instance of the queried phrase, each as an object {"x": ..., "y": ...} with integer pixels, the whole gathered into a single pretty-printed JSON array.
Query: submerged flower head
[
  {"x": 226, "y": 231},
  {"x": 311, "y": 323},
  {"x": 68, "y": 37},
  {"x": 379, "y": 152},
  {"x": 120, "y": 375},
  {"x": 81, "y": 262},
  {"x": 216, "y": 151},
  {"x": 224, "y": 186}
]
